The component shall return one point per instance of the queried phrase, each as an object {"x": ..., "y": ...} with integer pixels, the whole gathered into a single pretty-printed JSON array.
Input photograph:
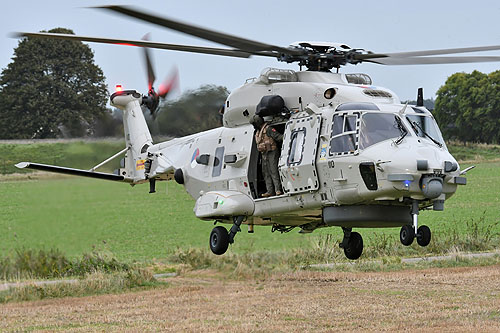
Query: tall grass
[
  {"x": 90, "y": 284},
  {"x": 46, "y": 264},
  {"x": 466, "y": 151},
  {"x": 478, "y": 236},
  {"x": 97, "y": 273}
]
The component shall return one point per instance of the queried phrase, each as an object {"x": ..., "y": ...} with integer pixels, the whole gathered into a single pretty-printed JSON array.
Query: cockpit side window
[
  {"x": 378, "y": 127},
  {"x": 425, "y": 127},
  {"x": 344, "y": 134}
]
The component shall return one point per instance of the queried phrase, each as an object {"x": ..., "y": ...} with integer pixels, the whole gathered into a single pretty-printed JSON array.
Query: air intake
[{"x": 377, "y": 93}]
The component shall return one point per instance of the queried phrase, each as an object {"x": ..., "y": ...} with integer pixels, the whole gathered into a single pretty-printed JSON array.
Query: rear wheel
[
  {"x": 406, "y": 235},
  {"x": 354, "y": 246},
  {"x": 219, "y": 240}
]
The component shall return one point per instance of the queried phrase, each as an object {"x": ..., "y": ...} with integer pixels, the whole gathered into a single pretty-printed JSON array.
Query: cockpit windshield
[
  {"x": 377, "y": 127},
  {"x": 426, "y": 127}
]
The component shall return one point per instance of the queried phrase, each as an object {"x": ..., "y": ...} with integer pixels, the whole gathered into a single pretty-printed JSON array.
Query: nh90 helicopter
[{"x": 352, "y": 155}]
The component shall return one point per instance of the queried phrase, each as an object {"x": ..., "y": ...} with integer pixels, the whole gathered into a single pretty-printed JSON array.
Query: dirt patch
[{"x": 453, "y": 299}]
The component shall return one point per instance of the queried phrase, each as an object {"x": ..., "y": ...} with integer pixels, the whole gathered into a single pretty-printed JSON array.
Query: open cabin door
[{"x": 297, "y": 163}]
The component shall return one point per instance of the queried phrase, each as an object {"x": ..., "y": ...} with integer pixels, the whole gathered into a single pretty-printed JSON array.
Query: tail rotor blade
[{"x": 169, "y": 84}]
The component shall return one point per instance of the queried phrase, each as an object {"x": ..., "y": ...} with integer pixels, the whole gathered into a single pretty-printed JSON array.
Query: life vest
[{"x": 264, "y": 142}]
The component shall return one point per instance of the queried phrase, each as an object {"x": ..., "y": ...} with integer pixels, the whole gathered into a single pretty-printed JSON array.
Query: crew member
[{"x": 267, "y": 138}]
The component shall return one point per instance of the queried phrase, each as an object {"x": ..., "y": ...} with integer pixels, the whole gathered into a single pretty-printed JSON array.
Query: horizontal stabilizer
[{"x": 69, "y": 171}]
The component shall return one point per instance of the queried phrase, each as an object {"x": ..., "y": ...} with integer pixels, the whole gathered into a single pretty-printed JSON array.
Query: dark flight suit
[{"x": 270, "y": 158}]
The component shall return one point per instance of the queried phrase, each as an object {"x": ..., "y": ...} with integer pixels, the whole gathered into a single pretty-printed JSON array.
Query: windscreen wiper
[
  {"x": 416, "y": 126},
  {"x": 402, "y": 129}
]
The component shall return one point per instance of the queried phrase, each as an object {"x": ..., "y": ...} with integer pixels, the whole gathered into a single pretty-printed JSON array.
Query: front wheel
[
  {"x": 406, "y": 235},
  {"x": 219, "y": 240},
  {"x": 423, "y": 235}
]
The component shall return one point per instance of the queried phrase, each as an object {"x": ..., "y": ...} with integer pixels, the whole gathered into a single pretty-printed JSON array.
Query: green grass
[
  {"x": 474, "y": 151},
  {"x": 78, "y": 216},
  {"x": 74, "y": 154}
]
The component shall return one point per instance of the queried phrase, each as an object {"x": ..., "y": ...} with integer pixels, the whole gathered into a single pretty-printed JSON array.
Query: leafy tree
[
  {"x": 51, "y": 85},
  {"x": 468, "y": 107},
  {"x": 109, "y": 124},
  {"x": 195, "y": 111}
]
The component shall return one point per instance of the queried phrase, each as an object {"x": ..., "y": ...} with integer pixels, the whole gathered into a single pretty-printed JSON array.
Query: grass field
[
  {"x": 77, "y": 154},
  {"x": 79, "y": 215}
]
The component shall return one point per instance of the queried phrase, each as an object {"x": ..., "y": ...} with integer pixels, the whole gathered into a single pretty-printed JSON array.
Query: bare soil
[{"x": 443, "y": 300}]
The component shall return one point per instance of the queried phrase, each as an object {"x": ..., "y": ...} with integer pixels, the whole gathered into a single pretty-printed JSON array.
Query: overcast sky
[{"x": 378, "y": 26}]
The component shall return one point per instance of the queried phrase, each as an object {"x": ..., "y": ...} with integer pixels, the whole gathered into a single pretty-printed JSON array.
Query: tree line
[{"x": 53, "y": 88}]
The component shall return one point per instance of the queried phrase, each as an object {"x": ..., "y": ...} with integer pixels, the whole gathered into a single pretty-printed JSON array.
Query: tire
[
  {"x": 406, "y": 235},
  {"x": 423, "y": 235},
  {"x": 354, "y": 246},
  {"x": 219, "y": 240}
]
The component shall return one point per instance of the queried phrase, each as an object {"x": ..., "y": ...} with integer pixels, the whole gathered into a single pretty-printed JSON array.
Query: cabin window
[
  {"x": 296, "y": 149},
  {"x": 344, "y": 134},
  {"x": 218, "y": 158},
  {"x": 378, "y": 127}
]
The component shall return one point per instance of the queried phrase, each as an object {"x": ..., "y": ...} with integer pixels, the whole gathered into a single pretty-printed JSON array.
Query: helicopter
[{"x": 352, "y": 155}]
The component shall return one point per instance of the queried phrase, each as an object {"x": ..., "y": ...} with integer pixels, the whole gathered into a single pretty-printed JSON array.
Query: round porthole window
[{"x": 329, "y": 93}]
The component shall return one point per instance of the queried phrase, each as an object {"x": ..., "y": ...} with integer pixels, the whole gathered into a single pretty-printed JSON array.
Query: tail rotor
[{"x": 152, "y": 100}]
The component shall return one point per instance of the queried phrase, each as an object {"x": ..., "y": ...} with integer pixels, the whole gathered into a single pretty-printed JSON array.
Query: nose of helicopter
[{"x": 422, "y": 169}]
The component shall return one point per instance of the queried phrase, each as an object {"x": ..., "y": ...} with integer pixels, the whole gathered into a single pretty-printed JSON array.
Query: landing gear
[
  {"x": 406, "y": 235},
  {"x": 220, "y": 238},
  {"x": 409, "y": 232},
  {"x": 352, "y": 244},
  {"x": 423, "y": 235}
]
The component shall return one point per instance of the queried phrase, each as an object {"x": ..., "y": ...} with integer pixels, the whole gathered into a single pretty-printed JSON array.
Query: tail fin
[{"x": 137, "y": 136}]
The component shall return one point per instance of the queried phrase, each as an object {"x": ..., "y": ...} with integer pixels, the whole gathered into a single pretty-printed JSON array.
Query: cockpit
[
  {"x": 358, "y": 126},
  {"x": 378, "y": 127}
]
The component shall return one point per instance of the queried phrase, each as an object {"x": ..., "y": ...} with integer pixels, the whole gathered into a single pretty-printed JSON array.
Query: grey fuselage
[{"x": 358, "y": 159}]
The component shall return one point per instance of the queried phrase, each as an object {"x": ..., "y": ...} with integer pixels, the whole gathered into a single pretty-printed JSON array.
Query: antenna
[{"x": 420, "y": 97}]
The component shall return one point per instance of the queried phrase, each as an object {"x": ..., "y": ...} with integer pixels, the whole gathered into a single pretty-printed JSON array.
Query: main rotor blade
[
  {"x": 211, "y": 35},
  {"x": 142, "y": 43},
  {"x": 431, "y": 60},
  {"x": 445, "y": 51},
  {"x": 149, "y": 65},
  {"x": 413, "y": 54}
]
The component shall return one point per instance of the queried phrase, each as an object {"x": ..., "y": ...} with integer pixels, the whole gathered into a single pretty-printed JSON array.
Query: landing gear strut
[
  {"x": 409, "y": 232},
  {"x": 220, "y": 238},
  {"x": 352, "y": 244}
]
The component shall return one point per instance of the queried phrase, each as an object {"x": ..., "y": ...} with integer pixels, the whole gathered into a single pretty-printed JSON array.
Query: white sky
[{"x": 378, "y": 26}]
